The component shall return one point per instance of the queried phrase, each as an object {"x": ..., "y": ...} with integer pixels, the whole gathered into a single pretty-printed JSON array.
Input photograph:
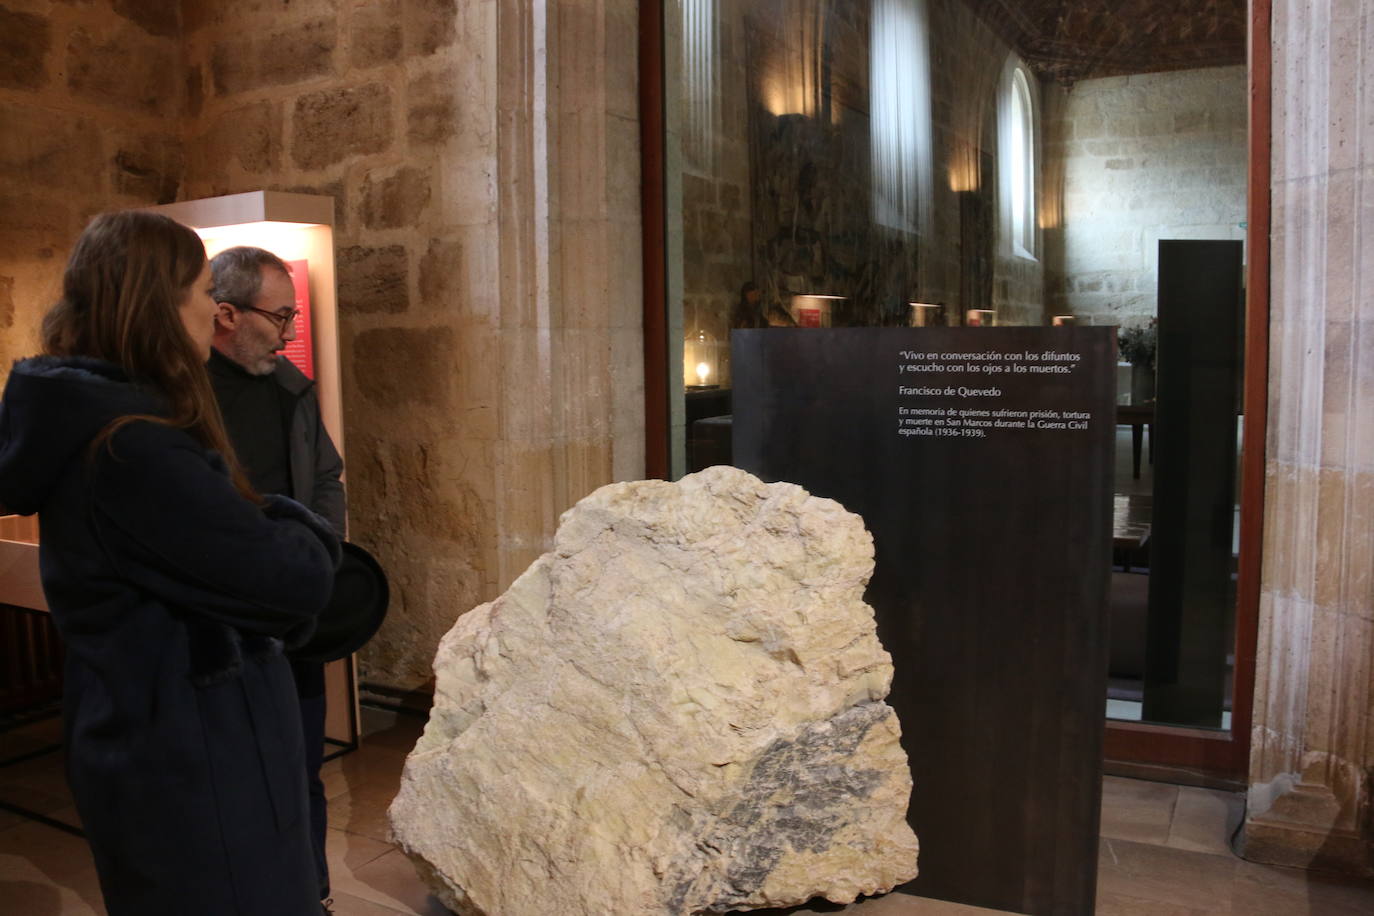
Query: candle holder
[{"x": 701, "y": 360}]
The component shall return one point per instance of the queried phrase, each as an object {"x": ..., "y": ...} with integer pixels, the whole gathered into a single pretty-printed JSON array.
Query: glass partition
[{"x": 843, "y": 163}]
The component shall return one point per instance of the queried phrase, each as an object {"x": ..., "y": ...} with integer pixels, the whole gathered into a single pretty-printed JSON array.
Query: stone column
[
  {"x": 1312, "y": 745},
  {"x": 571, "y": 345}
]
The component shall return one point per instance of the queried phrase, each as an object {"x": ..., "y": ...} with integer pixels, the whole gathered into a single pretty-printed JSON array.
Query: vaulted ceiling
[{"x": 1072, "y": 40}]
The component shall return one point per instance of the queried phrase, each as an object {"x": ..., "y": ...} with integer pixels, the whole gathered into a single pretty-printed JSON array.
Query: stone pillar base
[{"x": 1300, "y": 831}]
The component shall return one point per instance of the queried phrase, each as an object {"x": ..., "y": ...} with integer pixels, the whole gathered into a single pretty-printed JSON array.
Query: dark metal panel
[
  {"x": 1197, "y": 395},
  {"x": 990, "y": 588}
]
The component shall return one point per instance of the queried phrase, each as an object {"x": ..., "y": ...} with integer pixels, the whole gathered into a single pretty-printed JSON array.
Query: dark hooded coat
[{"x": 174, "y": 596}]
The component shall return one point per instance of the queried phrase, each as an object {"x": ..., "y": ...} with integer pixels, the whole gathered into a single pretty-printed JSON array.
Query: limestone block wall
[
  {"x": 1312, "y": 746},
  {"x": 88, "y": 122},
  {"x": 1160, "y": 155},
  {"x": 389, "y": 108},
  {"x": 486, "y": 184},
  {"x": 483, "y": 158}
]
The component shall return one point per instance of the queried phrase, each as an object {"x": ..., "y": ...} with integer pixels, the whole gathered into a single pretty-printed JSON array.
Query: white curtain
[
  {"x": 899, "y": 81},
  {"x": 700, "y": 81}
]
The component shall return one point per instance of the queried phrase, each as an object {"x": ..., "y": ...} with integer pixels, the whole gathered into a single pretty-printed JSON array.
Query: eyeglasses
[{"x": 281, "y": 320}]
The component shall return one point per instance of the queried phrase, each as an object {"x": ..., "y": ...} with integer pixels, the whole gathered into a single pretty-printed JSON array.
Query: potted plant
[{"x": 1137, "y": 346}]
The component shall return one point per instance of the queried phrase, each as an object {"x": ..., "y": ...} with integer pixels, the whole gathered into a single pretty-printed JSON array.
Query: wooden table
[{"x": 1138, "y": 417}]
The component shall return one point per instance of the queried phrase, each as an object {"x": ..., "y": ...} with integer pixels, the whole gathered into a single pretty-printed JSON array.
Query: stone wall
[
  {"x": 88, "y": 122},
  {"x": 378, "y": 106},
  {"x": 484, "y": 162},
  {"x": 1160, "y": 155},
  {"x": 486, "y": 188},
  {"x": 1312, "y": 745}
]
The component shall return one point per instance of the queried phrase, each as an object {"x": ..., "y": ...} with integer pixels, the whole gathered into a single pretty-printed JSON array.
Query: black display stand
[
  {"x": 1192, "y": 557},
  {"x": 981, "y": 461}
]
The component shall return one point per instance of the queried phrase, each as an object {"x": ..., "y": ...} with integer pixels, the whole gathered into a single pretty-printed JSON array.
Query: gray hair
[{"x": 237, "y": 274}]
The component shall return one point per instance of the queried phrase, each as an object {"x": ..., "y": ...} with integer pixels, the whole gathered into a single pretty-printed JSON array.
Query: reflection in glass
[
  {"x": 926, "y": 315},
  {"x": 1017, "y": 125},
  {"x": 701, "y": 360},
  {"x": 814, "y": 311},
  {"x": 701, "y": 80}
]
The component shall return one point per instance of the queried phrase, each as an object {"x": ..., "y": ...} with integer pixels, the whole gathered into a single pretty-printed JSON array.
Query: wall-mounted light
[{"x": 963, "y": 175}]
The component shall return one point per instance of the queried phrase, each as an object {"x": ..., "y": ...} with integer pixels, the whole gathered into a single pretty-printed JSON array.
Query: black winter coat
[{"x": 174, "y": 596}]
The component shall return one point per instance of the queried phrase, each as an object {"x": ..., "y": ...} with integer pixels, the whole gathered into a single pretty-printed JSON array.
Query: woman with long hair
[{"x": 173, "y": 584}]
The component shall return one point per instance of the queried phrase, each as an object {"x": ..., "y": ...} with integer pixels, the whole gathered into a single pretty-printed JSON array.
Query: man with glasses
[{"x": 272, "y": 416}]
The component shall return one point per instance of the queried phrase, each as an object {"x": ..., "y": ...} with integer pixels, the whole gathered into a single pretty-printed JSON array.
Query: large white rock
[{"x": 677, "y": 710}]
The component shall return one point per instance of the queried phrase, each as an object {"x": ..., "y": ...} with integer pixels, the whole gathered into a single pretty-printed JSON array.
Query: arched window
[{"x": 1017, "y": 117}]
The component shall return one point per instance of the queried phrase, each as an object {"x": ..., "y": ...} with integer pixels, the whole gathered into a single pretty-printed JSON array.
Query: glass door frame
[{"x": 1181, "y": 754}]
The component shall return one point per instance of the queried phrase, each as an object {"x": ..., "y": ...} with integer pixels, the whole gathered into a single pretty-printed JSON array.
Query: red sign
[{"x": 301, "y": 350}]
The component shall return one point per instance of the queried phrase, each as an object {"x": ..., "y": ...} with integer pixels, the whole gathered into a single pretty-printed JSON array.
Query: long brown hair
[{"x": 121, "y": 296}]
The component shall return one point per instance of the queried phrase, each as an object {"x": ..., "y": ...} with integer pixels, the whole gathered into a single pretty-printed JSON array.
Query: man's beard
[{"x": 250, "y": 357}]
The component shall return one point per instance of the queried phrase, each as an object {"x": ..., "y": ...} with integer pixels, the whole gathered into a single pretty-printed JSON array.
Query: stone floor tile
[
  {"x": 34, "y": 736},
  {"x": 43, "y": 898},
  {"x": 899, "y": 904},
  {"x": 45, "y": 868},
  {"x": 1270, "y": 890},
  {"x": 893, "y": 904},
  {"x": 67, "y": 815},
  {"x": 1134, "y": 809},
  {"x": 348, "y": 852},
  {"x": 391, "y": 881},
  {"x": 1164, "y": 852},
  {"x": 39, "y": 801},
  {"x": 45, "y": 771},
  {"x": 1204, "y": 820},
  {"x": 38, "y": 784},
  {"x": 364, "y": 812},
  {"x": 348, "y": 905},
  {"x": 1164, "y": 876},
  {"x": 1120, "y": 905},
  {"x": 397, "y": 731},
  {"x": 361, "y": 769},
  {"x": 52, "y": 852}
]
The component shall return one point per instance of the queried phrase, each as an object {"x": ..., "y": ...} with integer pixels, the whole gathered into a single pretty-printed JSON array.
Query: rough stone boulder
[{"x": 677, "y": 710}]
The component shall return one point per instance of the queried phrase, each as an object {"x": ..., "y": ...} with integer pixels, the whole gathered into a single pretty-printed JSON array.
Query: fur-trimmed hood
[{"x": 53, "y": 407}]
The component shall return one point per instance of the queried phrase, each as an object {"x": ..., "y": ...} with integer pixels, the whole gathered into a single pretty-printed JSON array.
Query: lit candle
[{"x": 703, "y": 370}]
